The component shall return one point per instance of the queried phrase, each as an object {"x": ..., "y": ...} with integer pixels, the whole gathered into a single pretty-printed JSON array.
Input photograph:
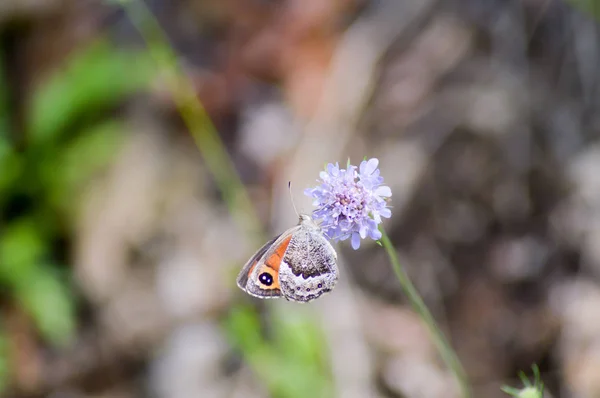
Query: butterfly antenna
[{"x": 292, "y": 198}]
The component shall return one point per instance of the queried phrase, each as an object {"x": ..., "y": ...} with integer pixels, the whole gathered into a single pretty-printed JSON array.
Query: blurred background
[{"x": 127, "y": 209}]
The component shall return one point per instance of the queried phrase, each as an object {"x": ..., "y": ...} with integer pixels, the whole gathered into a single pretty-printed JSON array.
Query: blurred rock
[
  {"x": 576, "y": 303},
  {"x": 120, "y": 392},
  {"x": 187, "y": 364},
  {"x": 415, "y": 377},
  {"x": 408, "y": 79},
  {"x": 396, "y": 331},
  {"x": 511, "y": 201},
  {"x": 518, "y": 259},
  {"x": 23, "y": 351},
  {"x": 410, "y": 160},
  {"x": 194, "y": 270},
  {"x": 246, "y": 386},
  {"x": 11, "y": 10},
  {"x": 581, "y": 372},
  {"x": 119, "y": 213},
  {"x": 494, "y": 108},
  {"x": 267, "y": 132},
  {"x": 462, "y": 222},
  {"x": 133, "y": 318},
  {"x": 483, "y": 313},
  {"x": 581, "y": 213}
]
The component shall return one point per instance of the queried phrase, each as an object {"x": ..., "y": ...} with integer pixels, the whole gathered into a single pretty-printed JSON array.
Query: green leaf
[
  {"x": 299, "y": 339},
  {"x": 592, "y": 7},
  {"x": 66, "y": 173},
  {"x": 48, "y": 300},
  {"x": 21, "y": 247},
  {"x": 510, "y": 391},
  {"x": 530, "y": 390},
  {"x": 304, "y": 370},
  {"x": 524, "y": 379},
  {"x": 293, "y": 364},
  {"x": 95, "y": 78},
  {"x": 42, "y": 294},
  {"x": 11, "y": 166},
  {"x": 243, "y": 329}
]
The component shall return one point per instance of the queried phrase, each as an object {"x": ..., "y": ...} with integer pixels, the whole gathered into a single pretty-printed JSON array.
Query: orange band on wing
[
  {"x": 252, "y": 268},
  {"x": 274, "y": 260},
  {"x": 270, "y": 267}
]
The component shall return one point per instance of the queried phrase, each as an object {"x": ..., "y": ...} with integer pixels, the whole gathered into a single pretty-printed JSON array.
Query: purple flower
[{"x": 350, "y": 202}]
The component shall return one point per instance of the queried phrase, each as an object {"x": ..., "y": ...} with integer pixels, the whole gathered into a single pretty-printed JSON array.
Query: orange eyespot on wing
[
  {"x": 274, "y": 260},
  {"x": 268, "y": 272},
  {"x": 267, "y": 278},
  {"x": 246, "y": 272}
]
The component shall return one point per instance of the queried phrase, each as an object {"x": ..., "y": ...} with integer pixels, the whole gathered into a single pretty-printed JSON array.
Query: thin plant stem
[
  {"x": 195, "y": 117},
  {"x": 446, "y": 352}
]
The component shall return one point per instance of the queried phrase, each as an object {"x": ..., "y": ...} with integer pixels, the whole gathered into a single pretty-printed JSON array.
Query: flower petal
[
  {"x": 355, "y": 241},
  {"x": 363, "y": 231},
  {"x": 383, "y": 190},
  {"x": 376, "y": 217},
  {"x": 368, "y": 167},
  {"x": 333, "y": 170},
  {"x": 375, "y": 234}
]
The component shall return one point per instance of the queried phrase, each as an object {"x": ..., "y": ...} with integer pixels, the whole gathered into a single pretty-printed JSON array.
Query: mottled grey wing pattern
[
  {"x": 309, "y": 267},
  {"x": 310, "y": 254}
]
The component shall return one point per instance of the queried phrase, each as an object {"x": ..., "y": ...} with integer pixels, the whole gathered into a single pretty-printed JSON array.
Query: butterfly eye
[{"x": 266, "y": 279}]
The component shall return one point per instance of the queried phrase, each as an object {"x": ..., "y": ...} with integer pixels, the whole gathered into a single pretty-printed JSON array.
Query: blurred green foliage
[
  {"x": 70, "y": 136},
  {"x": 592, "y": 7},
  {"x": 293, "y": 362}
]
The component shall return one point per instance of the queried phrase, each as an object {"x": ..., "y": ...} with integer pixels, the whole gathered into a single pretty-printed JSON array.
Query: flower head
[{"x": 350, "y": 202}]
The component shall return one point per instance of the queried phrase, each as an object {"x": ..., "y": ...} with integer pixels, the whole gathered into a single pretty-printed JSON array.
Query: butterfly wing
[
  {"x": 309, "y": 269},
  {"x": 260, "y": 275},
  {"x": 242, "y": 279}
]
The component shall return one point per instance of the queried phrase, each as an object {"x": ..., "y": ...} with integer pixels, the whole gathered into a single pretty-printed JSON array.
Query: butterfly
[{"x": 299, "y": 265}]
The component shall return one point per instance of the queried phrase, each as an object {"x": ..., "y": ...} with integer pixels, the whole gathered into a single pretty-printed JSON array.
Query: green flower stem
[
  {"x": 444, "y": 348},
  {"x": 195, "y": 117}
]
